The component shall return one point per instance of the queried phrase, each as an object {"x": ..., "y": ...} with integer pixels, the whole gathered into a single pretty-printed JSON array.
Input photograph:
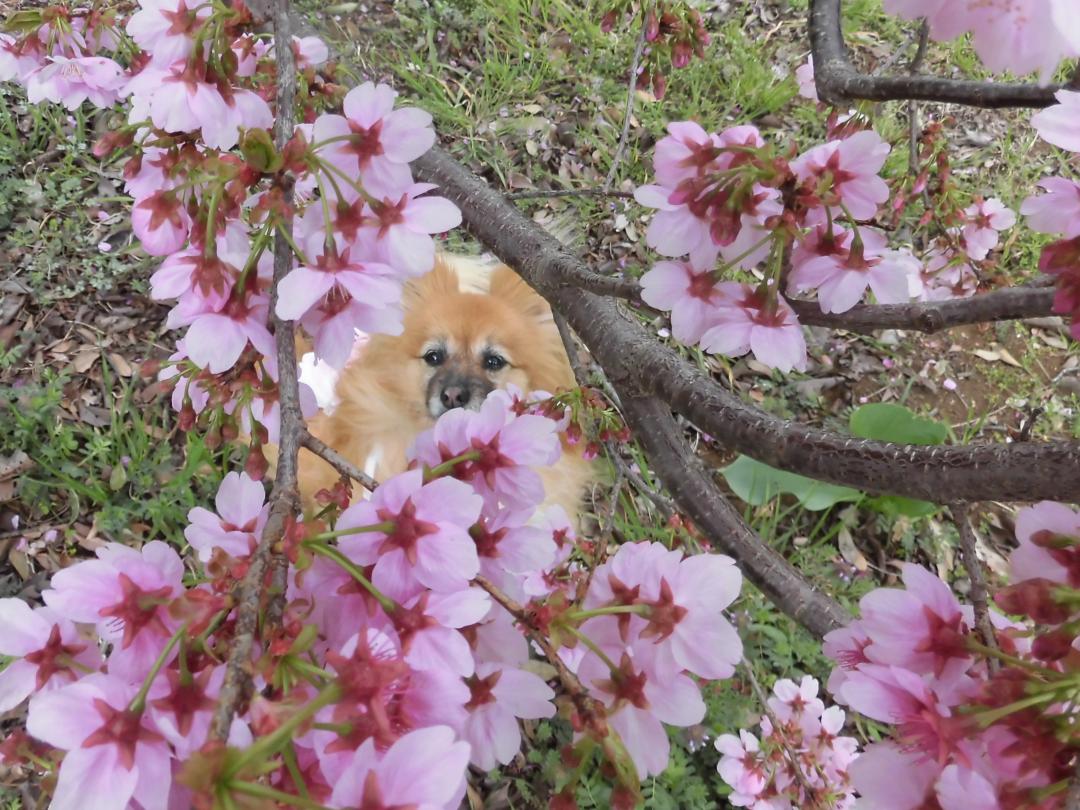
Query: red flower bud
[{"x": 1034, "y": 598}]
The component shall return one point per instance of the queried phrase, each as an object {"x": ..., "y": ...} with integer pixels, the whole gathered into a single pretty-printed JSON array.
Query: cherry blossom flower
[
  {"x": 310, "y": 52},
  {"x": 985, "y": 218},
  {"x": 403, "y": 224},
  {"x": 849, "y": 171},
  {"x": 843, "y": 273},
  {"x": 499, "y": 696},
  {"x": 215, "y": 340},
  {"x": 427, "y": 628},
  {"x": 1057, "y": 211},
  {"x": 429, "y": 543},
  {"x": 425, "y": 769},
  {"x": 741, "y": 766},
  {"x": 20, "y": 57},
  {"x": 1049, "y": 535},
  {"x": 47, "y": 649},
  {"x": 690, "y": 293},
  {"x": 70, "y": 82},
  {"x": 114, "y": 755},
  {"x": 165, "y": 28},
  {"x": 161, "y": 222},
  {"x": 375, "y": 139},
  {"x": 687, "y": 152},
  {"x": 241, "y": 516},
  {"x": 748, "y": 321},
  {"x": 891, "y": 778},
  {"x": 123, "y": 593}
]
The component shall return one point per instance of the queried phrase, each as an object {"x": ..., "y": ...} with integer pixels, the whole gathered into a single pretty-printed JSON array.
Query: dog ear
[
  {"x": 439, "y": 283},
  {"x": 507, "y": 286}
]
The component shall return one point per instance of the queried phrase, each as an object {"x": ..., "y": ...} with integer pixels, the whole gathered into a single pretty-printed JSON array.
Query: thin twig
[
  {"x": 629, "y": 112},
  {"x": 568, "y": 192},
  {"x": 664, "y": 504},
  {"x": 914, "y": 128},
  {"x": 284, "y": 497},
  {"x": 977, "y": 577},
  {"x": 571, "y": 349},
  {"x": 337, "y": 461}
]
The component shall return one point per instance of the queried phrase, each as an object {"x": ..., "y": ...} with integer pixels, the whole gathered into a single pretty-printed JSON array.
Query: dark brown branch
[
  {"x": 284, "y": 497},
  {"x": 698, "y": 496},
  {"x": 976, "y": 576},
  {"x": 634, "y": 362},
  {"x": 838, "y": 81},
  {"x": 541, "y": 194},
  {"x": 1007, "y": 304},
  {"x": 337, "y": 461}
]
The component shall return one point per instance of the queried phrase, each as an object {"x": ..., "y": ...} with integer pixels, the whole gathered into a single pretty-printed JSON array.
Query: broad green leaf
[
  {"x": 889, "y": 422},
  {"x": 758, "y": 483},
  {"x": 894, "y": 505}
]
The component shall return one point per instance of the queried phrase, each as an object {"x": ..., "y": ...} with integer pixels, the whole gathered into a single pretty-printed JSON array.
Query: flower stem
[
  {"x": 138, "y": 703},
  {"x": 292, "y": 244},
  {"x": 385, "y": 527},
  {"x": 592, "y": 645},
  {"x": 266, "y": 792},
  {"x": 350, "y": 567},
  {"x": 448, "y": 465},
  {"x": 581, "y": 615}
]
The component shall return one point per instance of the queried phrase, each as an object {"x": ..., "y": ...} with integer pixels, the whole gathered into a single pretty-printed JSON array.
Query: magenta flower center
[
  {"x": 364, "y": 142},
  {"x": 123, "y": 729},
  {"x": 137, "y": 609},
  {"x": 48, "y": 659},
  {"x": 481, "y": 689},
  {"x": 407, "y": 531}
]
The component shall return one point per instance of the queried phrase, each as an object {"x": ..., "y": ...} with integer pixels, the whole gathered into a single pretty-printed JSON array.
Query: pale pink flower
[
  {"x": 889, "y": 777},
  {"x": 70, "y": 82},
  {"x": 19, "y": 57},
  {"x": 851, "y": 168},
  {"x": 691, "y": 294},
  {"x": 211, "y": 278},
  {"x": 742, "y": 766},
  {"x": 215, "y": 340},
  {"x": 181, "y": 709},
  {"x": 1038, "y": 556},
  {"x": 402, "y": 224},
  {"x": 509, "y": 446},
  {"x": 124, "y": 593},
  {"x": 675, "y": 230},
  {"x": 946, "y": 274},
  {"x": 843, "y": 274},
  {"x": 378, "y": 141},
  {"x": 922, "y": 628},
  {"x": 640, "y": 697},
  {"x": 804, "y": 75},
  {"x": 165, "y": 29},
  {"x": 747, "y": 321},
  {"x": 794, "y": 700},
  {"x": 114, "y": 756},
  {"x": 947, "y": 19},
  {"x": 45, "y": 646},
  {"x": 687, "y": 151},
  {"x": 1057, "y": 211},
  {"x": 241, "y": 516},
  {"x": 961, "y": 788},
  {"x": 350, "y": 294},
  {"x": 424, "y": 770},
  {"x": 506, "y": 543},
  {"x": 429, "y": 543},
  {"x": 310, "y": 52},
  {"x": 161, "y": 222},
  {"x": 499, "y": 696},
  {"x": 1026, "y": 36},
  {"x": 427, "y": 627},
  {"x": 180, "y": 99},
  {"x": 984, "y": 219},
  {"x": 1060, "y": 124}
]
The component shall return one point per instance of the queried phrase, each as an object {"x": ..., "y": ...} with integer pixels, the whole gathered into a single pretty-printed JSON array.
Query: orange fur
[{"x": 383, "y": 404}]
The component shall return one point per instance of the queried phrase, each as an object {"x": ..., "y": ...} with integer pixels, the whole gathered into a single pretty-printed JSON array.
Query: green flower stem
[
  {"x": 292, "y": 244},
  {"x": 592, "y": 645},
  {"x": 265, "y": 792},
  {"x": 138, "y": 703},
  {"x": 448, "y": 465},
  {"x": 385, "y": 527},
  {"x": 350, "y": 567},
  {"x": 581, "y": 615},
  {"x": 282, "y": 735},
  {"x": 988, "y": 718}
]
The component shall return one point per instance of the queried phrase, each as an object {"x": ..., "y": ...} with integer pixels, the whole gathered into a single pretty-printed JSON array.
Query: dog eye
[
  {"x": 494, "y": 362},
  {"x": 434, "y": 357}
]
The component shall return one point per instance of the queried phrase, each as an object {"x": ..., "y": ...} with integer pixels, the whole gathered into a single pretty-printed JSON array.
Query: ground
[{"x": 531, "y": 95}]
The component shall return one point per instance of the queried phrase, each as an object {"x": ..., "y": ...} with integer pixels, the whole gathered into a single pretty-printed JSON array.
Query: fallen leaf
[
  {"x": 85, "y": 360},
  {"x": 1008, "y": 358},
  {"x": 849, "y": 551},
  {"x": 989, "y": 356},
  {"x": 122, "y": 366}
]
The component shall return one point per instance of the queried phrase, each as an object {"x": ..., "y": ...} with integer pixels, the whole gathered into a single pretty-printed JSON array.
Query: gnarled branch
[
  {"x": 634, "y": 362},
  {"x": 838, "y": 81}
]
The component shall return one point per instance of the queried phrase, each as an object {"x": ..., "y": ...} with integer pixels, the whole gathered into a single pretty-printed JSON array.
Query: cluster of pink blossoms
[
  {"x": 801, "y": 760},
  {"x": 390, "y": 670},
  {"x": 1020, "y": 36},
  {"x": 978, "y": 726},
  {"x": 720, "y": 200}
]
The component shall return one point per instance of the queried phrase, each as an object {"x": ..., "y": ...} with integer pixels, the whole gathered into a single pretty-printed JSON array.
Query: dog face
[{"x": 463, "y": 339}]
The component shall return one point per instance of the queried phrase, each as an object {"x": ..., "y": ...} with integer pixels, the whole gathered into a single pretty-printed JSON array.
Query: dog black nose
[{"x": 455, "y": 396}]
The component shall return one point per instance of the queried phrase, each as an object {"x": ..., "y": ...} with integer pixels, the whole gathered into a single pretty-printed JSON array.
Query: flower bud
[{"x": 1034, "y": 598}]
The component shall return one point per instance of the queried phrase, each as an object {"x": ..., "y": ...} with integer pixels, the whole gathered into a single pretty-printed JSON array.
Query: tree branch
[
  {"x": 284, "y": 497},
  {"x": 634, "y": 362},
  {"x": 1008, "y": 304},
  {"x": 698, "y": 496},
  {"x": 979, "y": 599},
  {"x": 337, "y": 461},
  {"x": 629, "y": 111},
  {"x": 838, "y": 81}
]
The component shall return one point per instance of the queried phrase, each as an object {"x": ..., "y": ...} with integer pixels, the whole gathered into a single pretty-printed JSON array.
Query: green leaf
[
  {"x": 897, "y": 505},
  {"x": 888, "y": 422},
  {"x": 758, "y": 483}
]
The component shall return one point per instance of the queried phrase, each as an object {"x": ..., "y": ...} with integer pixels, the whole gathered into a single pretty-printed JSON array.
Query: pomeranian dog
[{"x": 469, "y": 328}]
